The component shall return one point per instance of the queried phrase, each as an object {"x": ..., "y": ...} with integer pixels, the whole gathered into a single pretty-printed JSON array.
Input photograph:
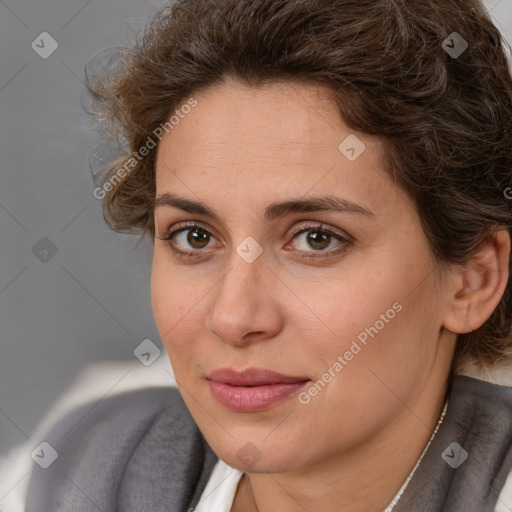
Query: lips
[
  {"x": 253, "y": 389},
  {"x": 252, "y": 377}
]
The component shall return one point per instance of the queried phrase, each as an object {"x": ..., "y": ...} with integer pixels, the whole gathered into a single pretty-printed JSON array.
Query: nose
[{"x": 245, "y": 307}]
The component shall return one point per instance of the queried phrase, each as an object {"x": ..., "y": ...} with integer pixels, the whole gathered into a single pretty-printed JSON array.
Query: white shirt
[{"x": 219, "y": 493}]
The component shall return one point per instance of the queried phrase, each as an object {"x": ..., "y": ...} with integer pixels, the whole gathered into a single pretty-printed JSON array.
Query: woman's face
[{"x": 341, "y": 299}]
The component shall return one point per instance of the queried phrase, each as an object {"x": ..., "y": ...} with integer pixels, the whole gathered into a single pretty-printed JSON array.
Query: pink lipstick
[{"x": 253, "y": 389}]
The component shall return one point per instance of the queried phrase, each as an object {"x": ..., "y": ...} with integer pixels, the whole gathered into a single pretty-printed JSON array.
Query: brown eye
[
  {"x": 318, "y": 239},
  {"x": 197, "y": 238},
  {"x": 188, "y": 240}
]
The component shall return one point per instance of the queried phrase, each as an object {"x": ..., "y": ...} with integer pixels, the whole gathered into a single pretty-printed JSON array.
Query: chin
[
  {"x": 265, "y": 462},
  {"x": 247, "y": 453}
]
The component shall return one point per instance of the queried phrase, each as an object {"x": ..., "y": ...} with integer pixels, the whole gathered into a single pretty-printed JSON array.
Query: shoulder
[
  {"x": 89, "y": 454},
  {"x": 117, "y": 419},
  {"x": 492, "y": 388},
  {"x": 504, "y": 503}
]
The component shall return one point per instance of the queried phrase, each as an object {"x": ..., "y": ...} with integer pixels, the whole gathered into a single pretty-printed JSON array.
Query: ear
[{"x": 479, "y": 285}]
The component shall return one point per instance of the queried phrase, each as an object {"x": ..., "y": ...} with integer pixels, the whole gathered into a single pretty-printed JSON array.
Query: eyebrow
[{"x": 273, "y": 211}]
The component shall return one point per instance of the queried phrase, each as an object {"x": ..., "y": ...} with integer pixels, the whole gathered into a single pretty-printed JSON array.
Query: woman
[{"x": 325, "y": 185}]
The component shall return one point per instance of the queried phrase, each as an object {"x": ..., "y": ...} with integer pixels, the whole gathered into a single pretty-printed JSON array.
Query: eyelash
[{"x": 311, "y": 255}]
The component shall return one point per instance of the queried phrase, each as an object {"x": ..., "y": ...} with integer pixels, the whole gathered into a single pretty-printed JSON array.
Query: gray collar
[{"x": 477, "y": 425}]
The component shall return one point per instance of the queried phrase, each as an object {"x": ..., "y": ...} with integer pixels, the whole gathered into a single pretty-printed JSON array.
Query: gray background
[{"x": 90, "y": 301}]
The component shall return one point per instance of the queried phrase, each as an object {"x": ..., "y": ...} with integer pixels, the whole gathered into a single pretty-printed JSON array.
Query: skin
[{"x": 239, "y": 150}]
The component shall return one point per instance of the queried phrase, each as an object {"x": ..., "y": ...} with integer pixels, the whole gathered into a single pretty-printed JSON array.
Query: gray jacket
[{"x": 141, "y": 451}]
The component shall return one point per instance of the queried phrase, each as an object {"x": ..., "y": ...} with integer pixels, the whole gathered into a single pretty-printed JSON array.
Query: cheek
[
  {"x": 373, "y": 322},
  {"x": 352, "y": 305},
  {"x": 387, "y": 341},
  {"x": 161, "y": 299},
  {"x": 168, "y": 301},
  {"x": 178, "y": 311}
]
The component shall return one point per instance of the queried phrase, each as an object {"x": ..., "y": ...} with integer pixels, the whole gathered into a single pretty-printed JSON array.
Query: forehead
[
  {"x": 280, "y": 113},
  {"x": 277, "y": 139}
]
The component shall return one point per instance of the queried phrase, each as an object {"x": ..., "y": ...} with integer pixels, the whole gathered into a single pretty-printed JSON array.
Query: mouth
[{"x": 254, "y": 389}]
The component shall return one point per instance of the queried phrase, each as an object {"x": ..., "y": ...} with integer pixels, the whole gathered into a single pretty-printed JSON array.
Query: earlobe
[{"x": 480, "y": 284}]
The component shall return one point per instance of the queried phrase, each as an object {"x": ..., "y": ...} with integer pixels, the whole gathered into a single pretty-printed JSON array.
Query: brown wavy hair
[{"x": 446, "y": 121}]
